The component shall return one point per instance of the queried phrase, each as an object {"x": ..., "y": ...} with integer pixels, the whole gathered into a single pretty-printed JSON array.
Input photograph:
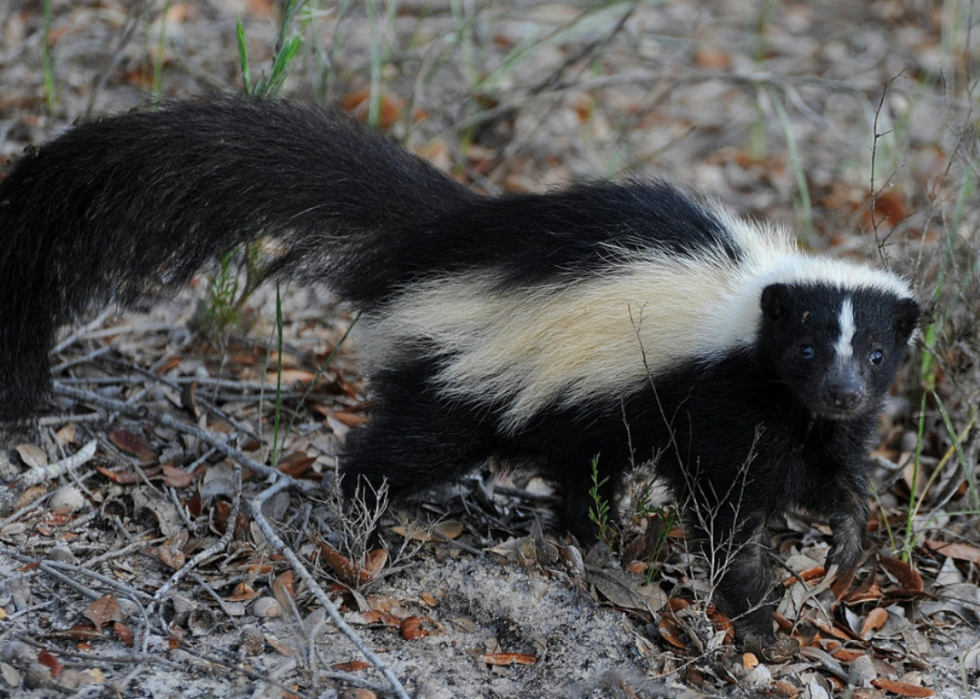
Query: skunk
[{"x": 601, "y": 326}]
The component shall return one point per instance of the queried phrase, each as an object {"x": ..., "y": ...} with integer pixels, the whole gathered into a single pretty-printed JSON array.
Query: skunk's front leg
[{"x": 846, "y": 507}]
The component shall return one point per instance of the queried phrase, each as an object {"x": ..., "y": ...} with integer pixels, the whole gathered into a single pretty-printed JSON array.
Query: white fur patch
[
  {"x": 845, "y": 320},
  {"x": 600, "y": 337}
]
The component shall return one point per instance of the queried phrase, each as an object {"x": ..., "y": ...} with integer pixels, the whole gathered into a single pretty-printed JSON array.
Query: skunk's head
[{"x": 837, "y": 349}]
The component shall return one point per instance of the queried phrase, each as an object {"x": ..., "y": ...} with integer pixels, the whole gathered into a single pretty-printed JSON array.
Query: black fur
[{"x": 135, "y": 204}]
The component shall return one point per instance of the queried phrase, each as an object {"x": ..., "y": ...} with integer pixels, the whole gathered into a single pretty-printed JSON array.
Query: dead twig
[{"x": 301, "y": 570}]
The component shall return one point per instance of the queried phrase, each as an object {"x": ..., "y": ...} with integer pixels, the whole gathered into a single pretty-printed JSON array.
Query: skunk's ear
[
  {"x": 907, "y": 316},
  {"x": 775, "y": 301}
]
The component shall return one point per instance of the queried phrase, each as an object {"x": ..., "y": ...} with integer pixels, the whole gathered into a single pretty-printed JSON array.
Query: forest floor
[{"x": 144, "y": 553}]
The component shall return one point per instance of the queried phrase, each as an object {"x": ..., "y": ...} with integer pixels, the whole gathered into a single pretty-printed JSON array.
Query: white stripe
[{"x": 845, "y": 320}]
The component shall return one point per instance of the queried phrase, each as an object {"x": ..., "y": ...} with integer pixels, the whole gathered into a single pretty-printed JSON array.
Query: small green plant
[
  {"x": 287, "y": 48},
  {"x": 47, "y": 59},
  {"x": 220, "y": 309},
  {"x": 239, "y": 274},
  {"x": 600, "y": 513},
  {"x": 806, "y": 207},
  {"x": 226, "y": 294},
  {"x": 156, "y": 86}
]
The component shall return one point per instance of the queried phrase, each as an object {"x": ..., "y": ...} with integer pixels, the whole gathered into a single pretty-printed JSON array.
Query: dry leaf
[
  {"x": 67, "y": 434},
  {"x": 30, "y": 495},
  {"x": 378, "y": 617},
  {"x": 123, "y": 633},
  {"x": 348, "y": 418},
  {"x": 188, "y": 400},
  {"x": 846, "y": 655},
  {"x": 508, "y": 659},
  {"x": 713, "y": 59},
  {"x": 242, "y": 593},
  {"x": 670, "y": 633},
  {"x": 103, "y": 612},
  {"x": 279, "y": 646},
  {"x": 842, "y": 583},
  {"x": 875, "y": 620},
  {"x": 902, "y": 688},
  {"x": 49, "y": 661},
  {"x": 171, "y": 552},
  {"x": 448, "y": 530},
  {"x": 133, "y": 444},
  {"x": 282, "y": 589},
  {"x": 346, "y": 570},
  {"x": 296, "y": 464},
  {"x": 32, "y": 455},
  {"x": 907, "y": 576},
  {"x": 890, "y": 209},
  {"x": 124, "y": 477},
  {"x": 415, "y": 627},
  {"x": 959, "y": 551},
  {"x": 358, "y": 104},
  {"x": 176, "y": 477},
  {"x": 353, "y": 666},
  {"x": 221, "y": 513}
]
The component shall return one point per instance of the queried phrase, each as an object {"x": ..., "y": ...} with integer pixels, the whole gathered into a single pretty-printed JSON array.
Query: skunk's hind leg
[{"x": 415, "y": 439}]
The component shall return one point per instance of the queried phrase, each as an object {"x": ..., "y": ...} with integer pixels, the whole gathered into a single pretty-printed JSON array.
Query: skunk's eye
[
  {"x": 877, "y": 357},
  {"x": 806, "y": 351}
]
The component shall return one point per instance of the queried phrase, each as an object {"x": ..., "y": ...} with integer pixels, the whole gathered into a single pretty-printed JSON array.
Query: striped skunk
[{"x": 624, "y": 321}]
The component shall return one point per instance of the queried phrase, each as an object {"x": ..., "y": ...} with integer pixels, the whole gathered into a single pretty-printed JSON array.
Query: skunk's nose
[{"x": 844, "y": 395}]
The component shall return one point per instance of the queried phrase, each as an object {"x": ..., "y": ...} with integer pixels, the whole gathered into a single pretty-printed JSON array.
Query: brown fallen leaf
[
  {"x": 353, "y": 666},
  {"x": 280, "y": 647},
  {"x": 907, "y": 576},
  {"x": 902, "y": 688},
  {"x": 132, "y": 444},
  {"x": 846, "y": 654},
  {"x": 890, "y": 209},
  {"x": 959, "y": 551},
  {"x": 875, "y": 620},
  {"x": 670, "y": 632},
  {"x": 283, "y": 589},
  {"x": 347, "y": 570},
  {"x": 378, "y": 617},
  {"x": 348, "y": 418},
  {"x": 171, "y": 552},
  {"x": 103, "y": 611},
  {"x": 123, "y": 633},
  {"x": 358, "y": 103},
  {"x": 296, "y": 464},
  {"x": 176, "y": 477},
  {"x": 49, "y": 661},
  {"x": 415, "y": 627},
  {"x": 123, "y": 477},
  {"x": 508, "y": 659},
  {"x": 243, "y": 592}
]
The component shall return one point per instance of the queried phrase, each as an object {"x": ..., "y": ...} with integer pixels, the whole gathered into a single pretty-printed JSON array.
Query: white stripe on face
[{"x": 845, "y": 321}]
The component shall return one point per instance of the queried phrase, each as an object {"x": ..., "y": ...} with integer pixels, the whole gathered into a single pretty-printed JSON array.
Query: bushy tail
[{"x": 136, "y": 204}]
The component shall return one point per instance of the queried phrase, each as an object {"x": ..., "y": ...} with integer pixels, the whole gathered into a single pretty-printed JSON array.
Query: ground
[{"x": 121, "y": 573}]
